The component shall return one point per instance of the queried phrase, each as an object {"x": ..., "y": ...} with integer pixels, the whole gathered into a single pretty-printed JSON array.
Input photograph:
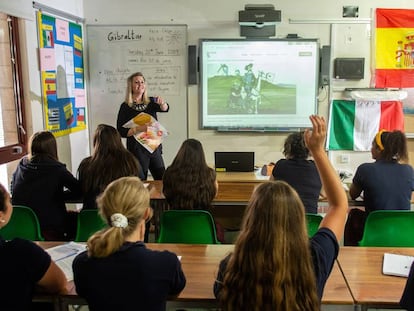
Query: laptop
[
  {"x": 398, "y": 265},
  {"x": 234, "y": 161}
]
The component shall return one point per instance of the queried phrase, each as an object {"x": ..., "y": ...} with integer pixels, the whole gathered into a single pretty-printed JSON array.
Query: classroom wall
[
  {"x": 215, "y": 19},
  {"x": 74, "y": 147},
  {"x": 219, "y": 19}
]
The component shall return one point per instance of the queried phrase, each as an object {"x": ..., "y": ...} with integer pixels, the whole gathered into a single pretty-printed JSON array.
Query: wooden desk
[
  {"x": 234, "y": 191},
  {"x": 228, "y": 207},
  {"x": 232, "y": 187},
  {"x": 362, "y": 268},
  {"x": 200, "y": 265}
]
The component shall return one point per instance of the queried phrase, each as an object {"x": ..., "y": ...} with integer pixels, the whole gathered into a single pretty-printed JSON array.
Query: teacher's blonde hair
[{"x": 128, "y": 96}]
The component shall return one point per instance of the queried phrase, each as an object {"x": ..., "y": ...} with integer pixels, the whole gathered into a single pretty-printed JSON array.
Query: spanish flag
[
  {"x": 353, "y": 124},
  {"x": 394, "y": 53}
]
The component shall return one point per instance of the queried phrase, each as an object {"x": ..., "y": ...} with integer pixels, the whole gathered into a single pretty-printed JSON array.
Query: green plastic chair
[
  {"x": 313, "y": 221},
  {"x": 188, "y": 227},
  {"x": 22, "y": 224},
  {"x": 389, "y": 228},
  {"x": 89, "y": 222}
]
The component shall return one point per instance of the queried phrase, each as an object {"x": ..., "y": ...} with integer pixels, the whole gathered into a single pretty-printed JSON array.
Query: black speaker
[
  {"x": 349, "y": 68},
  {"x": 325, "y": 65},
  {"x": 192, "y": 64}
]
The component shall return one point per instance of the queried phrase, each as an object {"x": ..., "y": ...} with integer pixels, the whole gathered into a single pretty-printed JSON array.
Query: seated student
[
  {"x": 189, "y": 183},
  {"x": 387, "y": 183},
  {"x": 274, "y": 265},
  {"x": 110, "y": 160},
  {"x": 407, "y": 299},
  {"x": 118, "y": 272},
  {"x": 39, "y": 182},
  {"x": 299, "y": 172},
  {"x": 26, "y": 267}
]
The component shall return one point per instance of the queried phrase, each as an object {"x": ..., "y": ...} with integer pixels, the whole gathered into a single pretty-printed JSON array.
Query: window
[{"x": 13, "y": 138}]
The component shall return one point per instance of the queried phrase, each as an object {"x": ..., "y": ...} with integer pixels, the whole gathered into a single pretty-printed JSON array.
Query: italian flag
[
  {"x": 394, "y": 46},
  {"x": 353, "y": 124}
]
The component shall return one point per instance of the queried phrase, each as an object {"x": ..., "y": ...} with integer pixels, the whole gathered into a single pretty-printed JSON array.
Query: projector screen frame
[{"x": 252, "y": 113}]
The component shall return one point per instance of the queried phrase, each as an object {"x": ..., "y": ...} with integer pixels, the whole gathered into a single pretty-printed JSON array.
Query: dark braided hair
[
  {"x": 294, "y": 147},
  {"x": 395, "y": 146}
]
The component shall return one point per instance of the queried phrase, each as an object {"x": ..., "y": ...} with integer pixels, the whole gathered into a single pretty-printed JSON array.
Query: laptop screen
[{"x": 234, "y": 161}]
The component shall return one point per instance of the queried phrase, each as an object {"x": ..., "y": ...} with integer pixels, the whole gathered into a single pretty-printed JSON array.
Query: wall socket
[{"x": 345, "y": 158}]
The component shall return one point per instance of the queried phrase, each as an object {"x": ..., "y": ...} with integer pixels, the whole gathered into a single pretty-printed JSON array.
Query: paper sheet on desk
[
  {"x": 398, "y": 265},
  {"x": 259, "y": 176},
  {"x": 63, "y": 255}
]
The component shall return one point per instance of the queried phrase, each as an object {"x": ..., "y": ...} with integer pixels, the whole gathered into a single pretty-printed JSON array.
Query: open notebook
[
  {"x": 398, "y": 265},
  {"x": 64, "y": 255}
]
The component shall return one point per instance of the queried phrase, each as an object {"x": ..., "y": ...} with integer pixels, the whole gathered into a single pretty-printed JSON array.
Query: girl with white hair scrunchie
[{"x": 119, "y": 253}]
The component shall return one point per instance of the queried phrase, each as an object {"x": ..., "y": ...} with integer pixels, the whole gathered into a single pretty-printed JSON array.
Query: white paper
[
  {"x": 398, "y": 265},
  {"x": 63, "y": 255}
]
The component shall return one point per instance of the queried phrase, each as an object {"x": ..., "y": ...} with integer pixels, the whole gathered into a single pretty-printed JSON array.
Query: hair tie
[
  {"x": 379, "y": 141},
  {"x": 119, "y": 221}
]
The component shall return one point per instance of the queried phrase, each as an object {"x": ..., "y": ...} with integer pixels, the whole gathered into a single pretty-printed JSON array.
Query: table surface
[
  {"x": 232, "y": 186},
  {"x": 362, "y": 268},
  {"x": 200, "y": 265}
]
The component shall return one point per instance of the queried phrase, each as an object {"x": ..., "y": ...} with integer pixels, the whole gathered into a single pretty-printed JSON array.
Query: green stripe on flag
[{"x": 342, "y": 125}]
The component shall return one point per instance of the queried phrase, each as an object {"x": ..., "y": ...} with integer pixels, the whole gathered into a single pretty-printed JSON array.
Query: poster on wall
[{"x": 62, "y": 74}]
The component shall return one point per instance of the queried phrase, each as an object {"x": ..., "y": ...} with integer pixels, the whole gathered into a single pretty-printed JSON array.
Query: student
[
  {"x": 118, "y": 272},
  {"x": 387, "y": 183},
  {"x": 299, "y": 172},
  {"x": 407, "y": 299},
  {"x": 274, "y": 265},
  {"x": 39, "y": 182},
  {"x": 189, "y": 183},
  {"x": 26, "y": 267},
  {"x": 110, "y": 160}
]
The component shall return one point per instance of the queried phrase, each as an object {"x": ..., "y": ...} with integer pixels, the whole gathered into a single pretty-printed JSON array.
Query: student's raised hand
[{"x": 315, "y": 137}]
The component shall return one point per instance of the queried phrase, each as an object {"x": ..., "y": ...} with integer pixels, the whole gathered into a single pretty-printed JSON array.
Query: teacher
[{"x": 137, "y": 101}]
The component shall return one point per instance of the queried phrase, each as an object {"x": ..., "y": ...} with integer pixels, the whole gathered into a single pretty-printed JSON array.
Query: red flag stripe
[
  {"x": 394, "y": 78},
  {"x": 394, "y": 18},
  {"x": 392, "y": 116}
]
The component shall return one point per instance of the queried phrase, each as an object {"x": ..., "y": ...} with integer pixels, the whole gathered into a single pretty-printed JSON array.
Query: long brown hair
[
  {"x": 42, "y": 145},
  {"x": 271, "y": 266},
  {"x": 3, "y": 197},
  {"x": 109, "y": 160},
  {"x": 189, "y": 183},
  {"x": 128, "y": 96}
]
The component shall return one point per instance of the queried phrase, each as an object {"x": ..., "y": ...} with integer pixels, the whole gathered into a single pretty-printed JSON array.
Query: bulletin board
[
  {"x": 160, "y": 53},
  {"x": 62, "y": 74}
]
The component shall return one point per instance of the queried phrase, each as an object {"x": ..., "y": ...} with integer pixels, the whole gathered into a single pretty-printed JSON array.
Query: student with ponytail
[
  {"x": 118, "y": 272},
  {"x": 385, "y": 184},
  {"x": 388, "y": 182}
]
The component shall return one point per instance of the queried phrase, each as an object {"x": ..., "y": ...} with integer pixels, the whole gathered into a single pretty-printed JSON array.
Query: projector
[{"x": 259, "y": 15}]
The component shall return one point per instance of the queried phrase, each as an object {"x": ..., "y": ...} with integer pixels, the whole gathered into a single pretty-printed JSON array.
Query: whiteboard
[{"x": 159, "y": 52}]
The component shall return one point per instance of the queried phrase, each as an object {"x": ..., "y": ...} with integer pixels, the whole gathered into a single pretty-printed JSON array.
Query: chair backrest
[
  {"x": 187, "y": 226},
  {"x": 389, "y": 228},
  {"x": 313, "y": 221},
  {"x": 22, "y": 224},
  {"x": 89, "y": 221}
]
